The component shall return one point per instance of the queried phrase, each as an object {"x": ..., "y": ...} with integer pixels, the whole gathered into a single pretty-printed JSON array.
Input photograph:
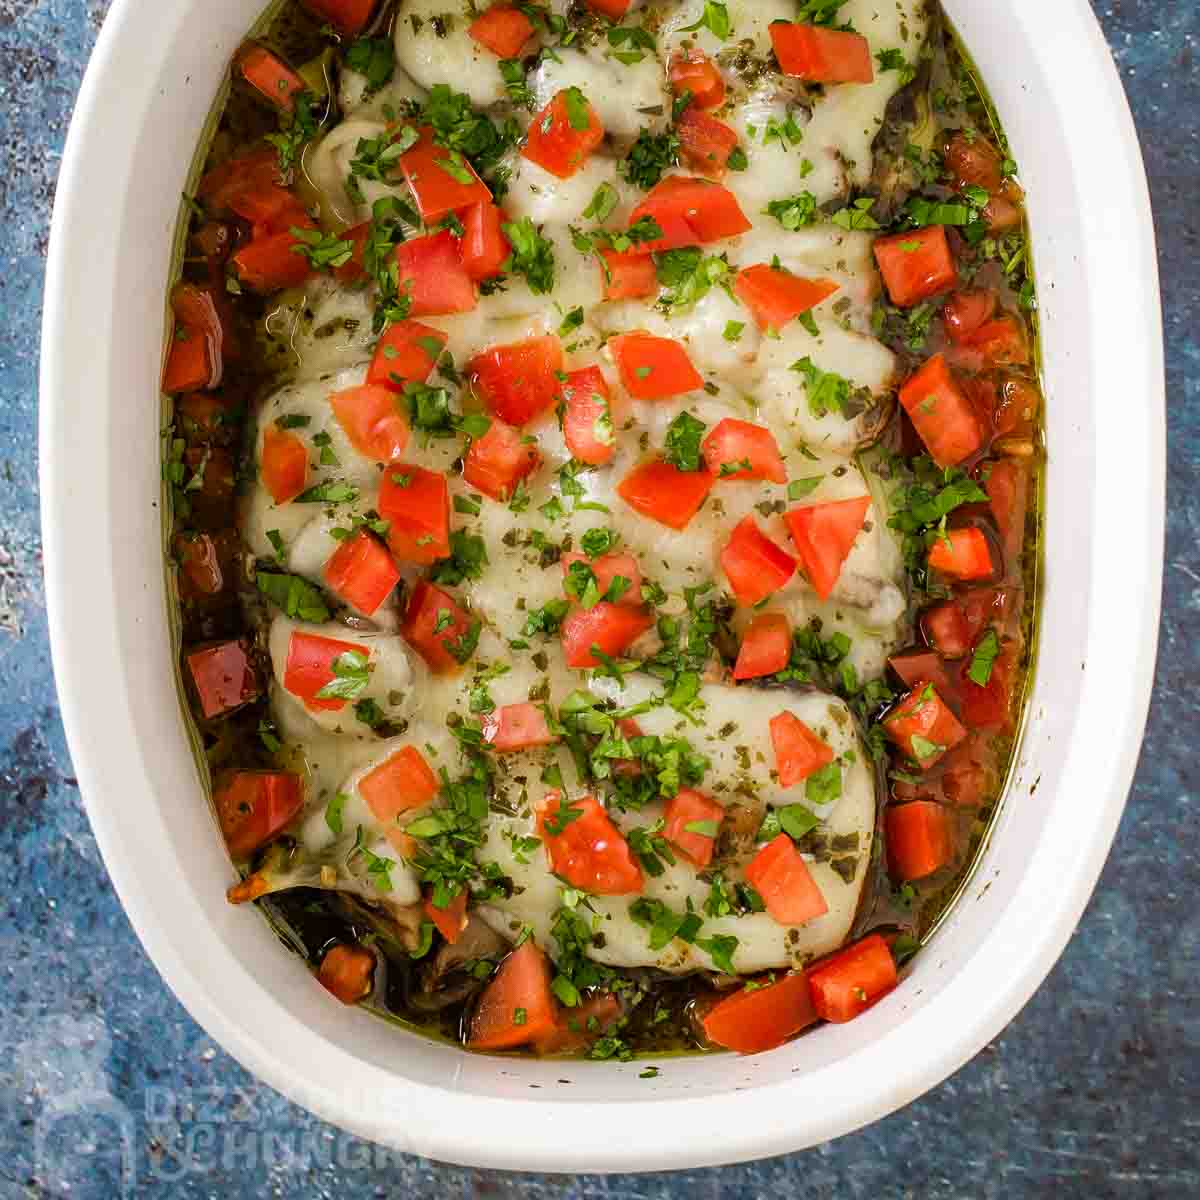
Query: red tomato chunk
[
  {"x": 517, "y": 727},
  {"x": 916, "y": 265},
  {"x": 941, "y": 413},
  {"x": 821, "y": 55},
  {"x": 653, "y": 368},
  {"x": 766, "y": 647},
  {"x": 519, "y": 382},
  {"x": 438, "y": 628},
  {"x": 798, "y": 751},
  {"x": 402, "y": 783},
  {"x": 361, "y": 572},
  {"x": 824, "y": 535},
  {"x": 692, "y": 822},
  {"x": 347, "y": 972},
  {"x": 586, "y": 849},
  {"x": 416, "y": 504},
  {"x": 851, "y": 981},
  {"x": 254, "y": 806},
  {"x": 610, "y": 628},
  {"x": 499, "y": 461},
  {"x": 923, "y": 727},
  {"x": 737, "y": 450},
  {"x": 662, "y": 492},
  {"x": 918, "y": 839},
  {"x": 761, "y": 1017},
  {"x": 563, "y": 135},
  {"x": 781, "y": 877},
  {"x": 754, "y": 565},
  {"x": 224, "y": 677}
]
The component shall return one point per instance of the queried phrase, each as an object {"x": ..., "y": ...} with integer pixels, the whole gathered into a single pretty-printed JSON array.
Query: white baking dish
[{"x": 144, "y": 102}]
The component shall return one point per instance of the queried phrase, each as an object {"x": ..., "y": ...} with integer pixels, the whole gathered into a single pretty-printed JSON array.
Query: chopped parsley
[
  {"x": 297, "y": 597},
  {"x": 795, "y": 212},
  {"x": 682, "y": 445},
  {"x": 373, "y": 57},
  {"x": 532, "y": 255},
  {"x": 649, "y": 158}
]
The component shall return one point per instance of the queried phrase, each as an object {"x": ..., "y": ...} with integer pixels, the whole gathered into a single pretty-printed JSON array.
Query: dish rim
[{"x": 616, "y": 1135}]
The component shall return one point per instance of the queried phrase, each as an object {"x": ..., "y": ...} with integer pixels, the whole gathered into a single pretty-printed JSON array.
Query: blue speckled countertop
[{"x": 1092, "y": 1092}]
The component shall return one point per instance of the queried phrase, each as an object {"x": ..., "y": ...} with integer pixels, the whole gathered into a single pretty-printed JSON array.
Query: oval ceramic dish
[{"x": 144, "y": 105}]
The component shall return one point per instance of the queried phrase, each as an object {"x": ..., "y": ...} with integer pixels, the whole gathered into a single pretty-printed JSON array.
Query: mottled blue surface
[{"x": 1094, "y": 1091}]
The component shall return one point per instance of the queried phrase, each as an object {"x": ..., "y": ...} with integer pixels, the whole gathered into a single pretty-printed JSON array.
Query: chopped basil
[
  {"x": 824, "y": 786},
  {"x": 799, "y": 488},
  {"x": 336, "y": 492},
  {"x": 297, "y": 597},
  {"x": 721, "y": 949},
  {"x": 351, "y": 674},
  {"x": 715, "y": 19},
  {"x": 649, "y": 157},
  {"x": 984, "y": 659},
  {"x": 827, "y": 391},
  {"x": 373, "y": 57},
  {"x": 682, "y": 445},
  {"x": 856, "y": 215},
  {"x": 577, "y": 108},
  {"x": 532, "y": 255},
  {"x": 333, "y": 812},
  {"x": 796, "y": 212}
]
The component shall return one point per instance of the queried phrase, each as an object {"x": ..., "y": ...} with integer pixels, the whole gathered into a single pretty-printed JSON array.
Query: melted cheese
[{"x": 326, "y": 331}]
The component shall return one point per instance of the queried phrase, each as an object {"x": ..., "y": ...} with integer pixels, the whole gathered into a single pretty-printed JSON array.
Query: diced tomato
[
  {"x": 973, "y": 160},
  {"x": 824, "y": 535},
  {"x": 612, "y": 628},
  {"x": 946, "y": 628},
  {"x": 352, "y": 270},
  {"x": 749, "y": 448},
  {"x": 268, "y": 264},
  {"x": 347, "y": 972},
  {"x": 217, "y": 476},
  {"x": 438, "y": 628},
  {"x": 361, "y": 572},
  {"x": 416, "y": 503},
  {"x": 563, "y": 135},
  {"x": 609, "y": 567},
  {"x": 498, "y": 461},
  {"x": 941, "y": 414},
  {"x": 248, "y": 179},
  {"x": 781, "y": 877},
  {"x": 517, "y": 727},
  {"x": 347, "y": 16},
  {"x": 406, "y": 353},
  {"x": 517, "y": 1007},
  {"x": 272, "y": 78},
  {"x": 284, "y": 465},
  {"x": 819, "y": 55},
  {"x": 966, "y": 310},
  {"x": 403, "y": 782},
  {"x": 1007, "y": 486},
  {"x": 202, "y": 339},
  {"x": 918, "y": 667},
  {"x": 922, "y": 726},
  {"x": 519, "y": 382},
  {"x": 586, "y": 849},
  {"x": 1016, "y": 408},
  {"x": 442, "y": 180},
  {"x": 613, "y": 9},
  {"x": 662, "y": 492},
  {"x": 964, "y": 781},
  {"x": 754, "y": 565},
  {"x": 776, "y": 297},
  {"x": 982, "y": 607},
  {"x": 502, "y": 29},
  {"x": 766, "y": 647},
  {"x": 254, "y": 806},
  {"x": 852, "y": 980},
  {"x": 704, "y": 142},
  {"x": 799, "y": 752},
  {"x": 224, "y": 677},
  {"x": 988, "y": 707},
  {"x": 209, "y": 417},
  {"x": 692, "y": 822},
  {"x": 916, "y": 265},
  {"x": 580, "y": 1026},
  {"x": 690, "y": 211},
  {"x": 372, "y": 417},
  {"x": 1001, "y": 343},
  {"x": 918, "y": 839},
  {"x": 190, "y": 362},
  {"x": 653, "y": 368},
  {"x": 309, "y": 667},
  {"x": 484, "y": 246},
  {"x": 696, "y": 73},
  {"x": 762, "y": 1017},
  {"x": 628, "y": 276},
  {"x": 213, "y": 241},
  {"x": 1001, "y": 214},
  {"x": 205, "y": 562},
  {"x": 451, "y": 920},
  {"x": 962, "y": 554},
  {"x": 431, "y": 272},
  {"x": 588, "y": 426}
]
